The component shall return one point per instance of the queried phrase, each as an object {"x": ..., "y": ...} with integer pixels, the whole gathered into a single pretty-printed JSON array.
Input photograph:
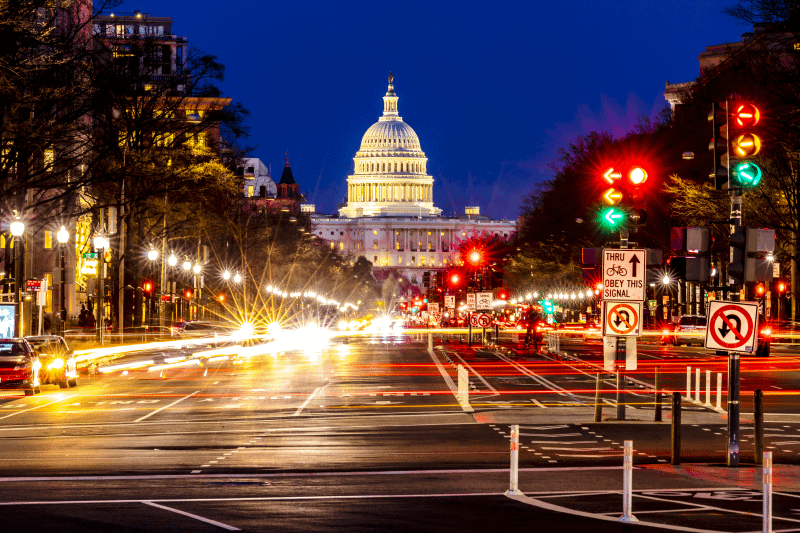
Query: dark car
[
  {"x": 57, "y": 359},
  {"x": 690, "y": 329},
  {"x": 19, "y": 366}
]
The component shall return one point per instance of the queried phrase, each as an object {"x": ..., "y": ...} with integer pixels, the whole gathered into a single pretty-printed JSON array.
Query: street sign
[
  {"x": 732, "y": 326},
  {"x": 480, "y": 320},
  {"x": 623, "y": 274},
  {"x": 433, "y": 308},
  {"x": 450, "y": 301},
  {"x": 91, "y": 255},
  {"x": 33, "y": 285},
  {"x": 471, "y": 304},
  {"x": 484, "y": 300},
  {"x": 622, "y": 319}
]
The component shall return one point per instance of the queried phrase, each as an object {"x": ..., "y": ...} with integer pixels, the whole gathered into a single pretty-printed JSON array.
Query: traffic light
[
  {"x": 147, "y": 287},
  {"x": 497, "y": 279},
  {"x": 781, "y": 287},
  {"x": 454, "y": 280},
  {"x": 547, "y": 307},
  {"x": 221, "y": 297},
  {"x": 760, "y": 290},
  {"x": 744, "y": 144},
  {"x": 744, "y": 244},
  {"x": 629, "y": 191},
  {"x": 426, "y": 279},
  {"x": 503, "y": 294},
  {"x": 188, "y": 293},
  {"x": 475, "y": 257},
  {"x": 719, "y": 144},
  {"x": 612, "y": 218}
]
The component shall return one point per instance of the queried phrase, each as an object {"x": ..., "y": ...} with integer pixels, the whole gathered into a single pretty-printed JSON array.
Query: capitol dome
[{"x": 390, "y": 169}]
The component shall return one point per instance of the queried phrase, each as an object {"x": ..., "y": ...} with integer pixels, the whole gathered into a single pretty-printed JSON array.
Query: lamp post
[
  {"x": 100, "y": 246},
  {"x": 171, "y": 261},
  {"x": 63, "y": 238},
  {"x": 17, "y": 229},
  {"x": 187, "y": 266},
  {"x": 152, "y": 255},
  {"x": 196, "y": 269}
]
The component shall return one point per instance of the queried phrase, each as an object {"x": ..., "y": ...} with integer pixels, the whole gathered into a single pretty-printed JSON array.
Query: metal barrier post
[
  {"x": 658, "y": 395},
  {"x": 676, "y": 428},
  {"x": 767, "y": 508},
  {"x": 627, "y": 484},
  {"x": 758, "y": 412},
  {"x": 598, "y": 407},
  {"x": 514, "y": 481}
]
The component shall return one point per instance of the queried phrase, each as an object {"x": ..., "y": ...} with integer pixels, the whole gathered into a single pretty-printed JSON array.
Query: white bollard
[
  {"x": 463, "y": 384},
  {"x": 689, "y": 383},
  {"x": 708, "y": 387},
  {"x": 513, "y": 489},
  {"x": 719, "y": 390},
  {"x": 697, "y": 385},
  {"x": 430, "y": 341},
  {"x": 767, "y": 510},
  {"x": 627, "y": 484}
]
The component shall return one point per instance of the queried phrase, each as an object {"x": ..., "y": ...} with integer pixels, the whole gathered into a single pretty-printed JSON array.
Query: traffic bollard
[
  {"x": 627, "y": 484},
  {"x": 513, "y": 489},
  {"x": 598, "y": 407},
  {"x": 689, "y": 383},
  {"x": 719, "y": 391},
  {"x": 758, "y": 414},
  {"x": 658, "y": 395},
  {"x": 767, "y": 505},
  {"x": 676, "y": 428},
  {"x": 697, "y": 385},
  {"x": 708, "y": 387}
]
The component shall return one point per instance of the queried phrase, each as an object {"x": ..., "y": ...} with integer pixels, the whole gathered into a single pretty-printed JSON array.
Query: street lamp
[
  {"x": 63, "y": 237},
  {"x": 237, "y": 278},
  {"x": 100, "y": 245},
  {"x": 152, "y": 255},
  {"x": 226, "y": 275},
  {"x": 172, "y": 261},
  {"x": 17, "y": 229}
]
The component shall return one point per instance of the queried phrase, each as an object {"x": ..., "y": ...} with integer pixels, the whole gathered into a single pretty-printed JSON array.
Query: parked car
[
  {"x": 19, "y": 366},
  {"x": 57, "y": 360}
]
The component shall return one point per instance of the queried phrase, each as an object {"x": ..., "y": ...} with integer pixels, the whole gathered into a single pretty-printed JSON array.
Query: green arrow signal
[
  {"x": 746, "y": 174},
  {"x": 613, "y": 216}
]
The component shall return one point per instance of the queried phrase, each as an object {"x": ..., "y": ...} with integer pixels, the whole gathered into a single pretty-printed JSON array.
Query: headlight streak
[
  {"x": 182, "y": 364},
  {"x": 127, "y": 366},
  {"x": 56, "y": 364}
]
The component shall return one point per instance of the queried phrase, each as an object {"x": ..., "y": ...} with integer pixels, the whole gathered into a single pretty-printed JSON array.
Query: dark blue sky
[{"x": 492, "y": 89}]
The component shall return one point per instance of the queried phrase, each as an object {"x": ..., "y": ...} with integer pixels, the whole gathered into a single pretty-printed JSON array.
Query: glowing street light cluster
[{"x": 310, "y": 295}]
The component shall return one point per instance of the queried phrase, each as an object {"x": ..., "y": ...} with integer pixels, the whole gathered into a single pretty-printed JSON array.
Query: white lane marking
[
  {"x": 308, "y": 400},
  {"x": 537, "y": 402},
  {"x": 190, "y": 515},
  {"x": 37, "y": 407},
  {"x": 449, "y": 381},
  {"x": 165, "y": 407},
  {"x": 316, "y": 474},
  {"x": 479, "y": 376}
]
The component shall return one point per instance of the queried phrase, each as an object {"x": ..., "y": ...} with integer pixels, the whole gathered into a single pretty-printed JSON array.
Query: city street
[{"x": 335, "y": 439}]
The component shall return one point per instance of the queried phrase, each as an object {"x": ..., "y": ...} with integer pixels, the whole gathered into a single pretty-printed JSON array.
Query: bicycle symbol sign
[{"x": 623, "y": 274}]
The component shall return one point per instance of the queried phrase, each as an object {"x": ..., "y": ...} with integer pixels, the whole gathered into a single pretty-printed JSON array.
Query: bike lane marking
[{"x": 165, "y": 407}]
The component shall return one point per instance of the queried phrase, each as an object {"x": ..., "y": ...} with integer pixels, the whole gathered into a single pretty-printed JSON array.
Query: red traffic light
[
  {"x": 781, "y": 287},
  {"x": 503, "y": 295},
  {"x": 221, "y": 297},
  {"x": 746, "y": 115},
  {"x": 455, "y": 279},
  {"x": 147, "y": 286},
  {"x": 475, "y": 257},
  {"x": 760, "y": 289},
  {"x": 188, "y": 294},
  {"x": 637, "y": 176}
]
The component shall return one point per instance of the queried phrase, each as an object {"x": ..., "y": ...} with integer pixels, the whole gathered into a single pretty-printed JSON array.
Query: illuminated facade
[{"x": 389, "y": 218}]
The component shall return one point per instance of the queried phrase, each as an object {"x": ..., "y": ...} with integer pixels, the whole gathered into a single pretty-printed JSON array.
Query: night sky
[{"x": 492, "y": 89}]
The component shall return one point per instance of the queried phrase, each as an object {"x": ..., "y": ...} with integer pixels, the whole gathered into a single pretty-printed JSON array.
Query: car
[
  {"x": 57, "y": 360},
  {"x": 202, "y": 328},
  {"x": 764, "y": 337},
  {"x": 690, "y": 329},
  {"x": 19, "y": 366}
]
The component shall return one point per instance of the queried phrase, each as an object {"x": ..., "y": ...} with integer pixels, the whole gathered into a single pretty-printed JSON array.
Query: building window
[
  {"x": 251, "y": 190},
  {"x": 341, "y": 233},
  {"x": 48, "y": 240},
  {"x": 331, "y": 233},
  {"x": 333, "y": 245},
  {"x": 376, "y": 260},
  {"x": 399, "y": 259},
  {"x": 375, "y": 232},
  {"x": 375, "y": 245},
  {"x": 413, "y": 259},
  {"x": 341, "y": 246},
  {"x": 49, "y": 157}
]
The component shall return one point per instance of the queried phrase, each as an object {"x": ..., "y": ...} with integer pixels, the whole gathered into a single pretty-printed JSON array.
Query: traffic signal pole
[
  {"x": 734, "y": 363},
  {"x": 621, "y": 347}
]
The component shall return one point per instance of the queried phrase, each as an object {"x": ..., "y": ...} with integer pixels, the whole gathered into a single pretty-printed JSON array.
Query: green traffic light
[
  {"x": 746, "y": 174},
  {"x": 612, "y": 218}
]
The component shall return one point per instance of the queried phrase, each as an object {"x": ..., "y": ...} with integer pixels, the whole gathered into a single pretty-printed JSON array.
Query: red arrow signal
[{"x": 611, "y": 175}]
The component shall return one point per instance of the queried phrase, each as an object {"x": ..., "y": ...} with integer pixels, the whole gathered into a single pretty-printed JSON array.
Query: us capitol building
[{"x": 389, "y": 217}]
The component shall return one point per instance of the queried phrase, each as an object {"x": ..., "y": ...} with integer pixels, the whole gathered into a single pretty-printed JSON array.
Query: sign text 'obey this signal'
[{"x": 624, "y": 274}]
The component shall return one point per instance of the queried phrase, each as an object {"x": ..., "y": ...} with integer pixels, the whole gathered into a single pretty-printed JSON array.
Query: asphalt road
[{"x": 369, "y": 436}]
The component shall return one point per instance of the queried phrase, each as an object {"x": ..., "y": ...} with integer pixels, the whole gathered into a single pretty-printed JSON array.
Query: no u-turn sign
[{"x": 732, "y": 326}]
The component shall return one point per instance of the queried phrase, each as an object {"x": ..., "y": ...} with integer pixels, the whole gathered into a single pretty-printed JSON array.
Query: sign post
[
  {"x": 732, "y": 326},
  {"x": 623, "y": 294}
]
